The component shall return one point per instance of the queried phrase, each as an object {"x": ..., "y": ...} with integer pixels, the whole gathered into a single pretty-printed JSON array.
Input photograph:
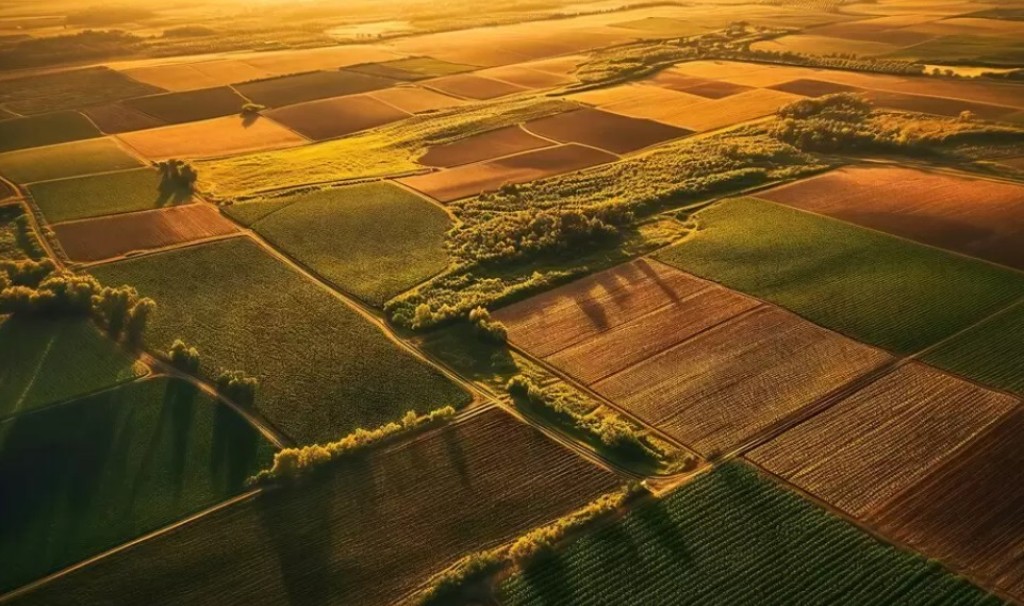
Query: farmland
[
  {"x": 66, "y": 160},
  {"x": 105, "y": 194},
  {"x": 109, "y": 237},
  {"x": 616, "y": 134},
  {"x": 880, "y": 441},
  {"x": 373, "y": 241},
  {"x": 500, "y": 142},
  {"x": 175, "y": 108},
  {"x": 732, "y": 537},
  {"x": 841, "y": 276},
  {"x": 412, "y": 68},
  {"x": 461, "y": 488},
  {"x": 89, "y": 474},
  {"x": 48, "y": 361},
  {"x": 330, "y": 118},
  {"x": 990, "y": 352},
  {"x": 60, "y": 127},
  {"x": 473, "y": 87},
  {"x": 17, "y": 241},
  {"x": 39, "y": 94},
  {"x": 211, "y": 138},
  {"x": 289, "y": 90},
  {"x": 976, "y": 217},
  {"x": 240, "y": 304},
  {"x": 115, "y": 118},
  {"x": 415, "y": 99}
]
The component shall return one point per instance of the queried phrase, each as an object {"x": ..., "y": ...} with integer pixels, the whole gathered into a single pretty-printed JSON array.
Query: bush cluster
[
  {"x": 183, "y": 357},
  {"x": 236, "y": 386},
  {"x": 491, "y": 331},
  {"x": 177, "y": 175}
]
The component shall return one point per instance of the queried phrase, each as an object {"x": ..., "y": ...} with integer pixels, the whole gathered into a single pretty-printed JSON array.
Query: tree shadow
[
  {"x": 249, "y": 118},
  {"x": 456, "y": 455},
  {"x": 235, "y": 447},
  {"x": 176, "y": 422},
  {"x": 171, "y": 191}
]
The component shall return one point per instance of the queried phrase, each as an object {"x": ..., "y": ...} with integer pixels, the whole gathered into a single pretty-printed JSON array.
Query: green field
[
  {"x": 71, "y": 89},
  {"x": 88, "y": 475},
  {"x": 363, "y": 533},
  {"x": 65, "y": 160},
  {"x": 105, "y": 194},
  {"x": 47, "y": 129},
  {"x": 870, "y": 286},
  {"x": 17, "y": 239},
  {"x": 373, "y": 240},
  {"x": 47, "y": 361},
  {"x": 731, "y": 537},
  {"x": 189, "y": 106},
  {"x": 323, "y": 369},
  {"x": 992, "y": 352},
  {"x": 412, "y": 68}
]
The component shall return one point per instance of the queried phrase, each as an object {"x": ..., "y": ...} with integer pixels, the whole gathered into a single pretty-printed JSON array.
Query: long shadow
[
  {"x": 177, "y": 416},
  {"x": 170, "y": 191},
  {"x": 456, "y": 455},
  {"x": 235, "y": 448},
  {"x": 249, "y": 118},
  {"x": 549, "y": 581},
  {"x": 653, "y": 275}
]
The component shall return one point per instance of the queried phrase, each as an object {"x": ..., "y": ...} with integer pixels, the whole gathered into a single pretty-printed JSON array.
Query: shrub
[
  {"x": 236, "y": 386},
  {"x": 183, "y": 357},
  {"x": 250, "y": 109},
  {"x": 487, "y": 329}
]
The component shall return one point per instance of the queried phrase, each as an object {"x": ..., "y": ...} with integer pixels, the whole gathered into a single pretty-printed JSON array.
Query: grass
[
  {"x": 17, "y": 239},
  {"x": 323, "y": 370},
  {"x": 69, "y": 90},
  {"x": 870, "y": 286},
  {"x": 365, "y": 531},
  {"x": 374, "y": 240},
  {"x": 47, "y": 129},
  {"x": 992, "y": 353},
  {"x": 105, "y": 194},
  {"x": 732, "y": 537},
  {"x": 88, "y": 475},
  {"x": 47, "y": 361},
  {"x": 412, "y": 68},
  {"x": 65, "y": 160}
]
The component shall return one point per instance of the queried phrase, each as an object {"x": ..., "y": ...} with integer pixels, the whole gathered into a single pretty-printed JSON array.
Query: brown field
[
  {"x": 192, "y": 76},
  {"x": 493, "y": 144},
  {"x": 473, "y": 87},
  {"x": 367, "y": 532},
  {"x": 937, "y": 105},
  {"x": 116, "y": 118},
  {"x": 325, "y": 58},
  {"x": 967, "y": 513},
  {"x": 329, "y": 118},
  {"x": 604, "y": 130},
  {"x": 116, "y": 235},
  {"x": 527, "y": 77},
  {"x": 877, "y": 443},
  {"x": 973, "y": 216},
  {"x": 641, "y": 101},
  {"x": 300, "y": 88},
  {"x": 992, "y": 93},
  {"x": 709, "y": 366},
  {"x": 872, "y": 32},
  {"x": 746, "y": 74},
  {"x": 175, "y": 108},
  {"x": 808, "y": 87},
  {"x": 211, "y": 138},
  {"x": 473, "y": 179},
  {"x": 414, "y": 99},
  {"x": 742, "y": 107},
  {"x": 807, "y": 44}
]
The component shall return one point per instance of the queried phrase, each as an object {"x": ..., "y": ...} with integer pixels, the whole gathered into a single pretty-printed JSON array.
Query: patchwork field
[
  {"x": 473, "y": 87},
  {"x": 245, "y": 310},
  {"x": 289, "y": 90},
  {"x": 415, "y": 99},
  {"x": 330, "y": 118},
  {"x": 966, "y": 514},
  {"x": 733, "y": 109},
  {"x": 533, "y": 75},
  {"x": 841, "y": 276},
  {"x": 641, "y": 101},
  {"x": 493, "y": 144},
  {"x": 72, "y": 89},
  {"x": 708, "y": 366},
  {"x": 105, "y": 194},
  {"x": 192, "y": 76},
  {"x": 203, "y": 104},
  {"x": 412, "y": 68},
  {"x": 973, "y": 216},
  {"x": 992, "y": 352},
  {"x": 879, "y": 442},
  {"x": 809, "y": 44},
  {"x": 47, "y": 129},
  {"x": 211, "y": 138},
  {"x": 374, "y": 240},
  {"x": 116, "y": 118},
  {"x": 66, "y": 160},
  {"x": 47, "y": 361},
  {"x": 367, "y": 532},
  {"x": 472, "y": 179},
  {"x": 109, "y": 237},
  {"x": 731, "y": 537},
  {"x": 611, "y": 132},
  {"x": 88, "y": 475}
]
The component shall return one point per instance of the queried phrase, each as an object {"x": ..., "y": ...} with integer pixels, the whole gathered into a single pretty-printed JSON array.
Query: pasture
[
  {"x": 289, "y": 90},
  {"x": 211, "y": 138},
  {"x": 974, "y": 216},
  {"x": 368, "y": 531},
  {"x": 331, "y": 118},
  {"x": 373, "y": 241},
  {"x": 46, "y": 129},
  {"x": 105, "y": 194},
  {"x": 190, "y": 106},
  {"x": 732, "y": 537},
  {"x": 841, "y": 276},
  {"x": 476, "y": 148},
  {"x": 883, "y": 439},
  {"x": 966, "y": 513},
  {"x": 473, "y": 179},
  {"x": 323, "y": 369},
  {"x": 47, "y": 361},
  {"x": 109, "y": 237},
  {"x": 91, "y": 474},
  {"x": 610, "y": 132},
  {"x": 66, "y": 160}
]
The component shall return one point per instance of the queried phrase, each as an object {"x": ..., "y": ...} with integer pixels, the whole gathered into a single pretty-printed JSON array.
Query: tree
[
  {"x": 183, "y": 357},
  {"x": 237, "y": 387},
  {"x": 138, "y": 315}
]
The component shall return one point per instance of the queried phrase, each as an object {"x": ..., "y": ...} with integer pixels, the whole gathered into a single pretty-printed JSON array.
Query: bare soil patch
[
  {"x": 493, "y": 144},
  {"x": 113, "y": 236},
  {"x": 612, "y": 132},
  {"x": 329, "y": 118}
]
